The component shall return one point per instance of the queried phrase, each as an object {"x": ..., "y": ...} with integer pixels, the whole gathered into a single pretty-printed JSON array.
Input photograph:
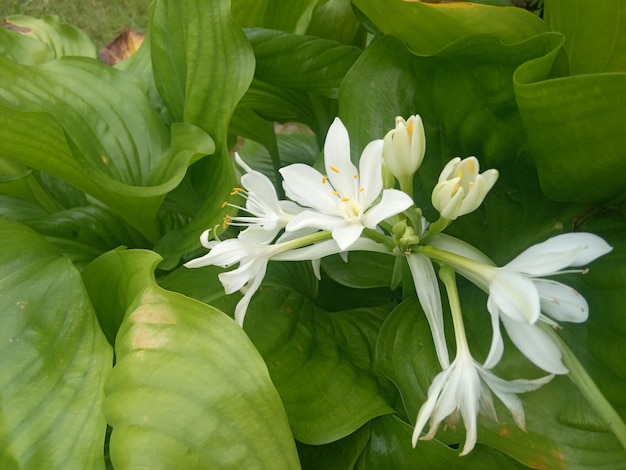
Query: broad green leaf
[
  {"x": 315, "y": 65},
  {"x": 562, "y": 429},
  {"x": 564, "y": 133},
  {"x": 390, "y": 447},
  {"x": 188, "y": 389},
  {"x": 428, "y": 28},
  {"x": 319, "y": 362},
  {"x": 291, "y": 17},
  {"x": 363, "y": 270},
  {"x": 595, "y": 37},
  {"x": 22, "y": 49},
  {"x": 202, "y": 65},
  {"x": 92, "y": 126},
  {"x": 62, "y": 38},
  {"x": 53, "y": 359},
  {"x": 335, "y": 19},
  {"x": 338, "y": 455}
]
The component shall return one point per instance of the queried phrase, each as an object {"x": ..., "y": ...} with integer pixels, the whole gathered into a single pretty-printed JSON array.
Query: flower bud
[
  {"x": 404, "y": 147},
  {"x": 461, "y": 189}
]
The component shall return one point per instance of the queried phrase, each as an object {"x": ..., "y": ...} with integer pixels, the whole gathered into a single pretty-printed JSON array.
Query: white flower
[
  {"x": 519, "y": 298},
  {"x": 404, "y": 148},
  {"x": 343, "y": 201},
  {"x": 253, "y": 253},
  {"x": 464, "y": 388},
  {"x": 461, "y": 189},
  {"x": 266, "y": 211}
]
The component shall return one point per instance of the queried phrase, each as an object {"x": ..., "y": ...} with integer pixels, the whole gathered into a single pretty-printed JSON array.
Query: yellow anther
[
  {"x": 236, "y": 191},
  {"x": 456, "y": 188},
  {"x": 324, "y": 179},
  {"x": 355, "y": 176},
  {"x": 409, "y": 126},
  {"x": 335, "y": 193},
  {"x": 361, "y": 189},
  {"x": 470, "y": 166},
  {"x": 459, "y": 173},
  {"x": 334, "y": 169},
  {"x": 224, "y": 204},
  {"x": 345, "y": 199},
  {"x": 226, "y": 221}
]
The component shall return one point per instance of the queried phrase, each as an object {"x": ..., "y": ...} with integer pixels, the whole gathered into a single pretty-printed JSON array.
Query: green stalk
[{"x": 589, "y": 389}]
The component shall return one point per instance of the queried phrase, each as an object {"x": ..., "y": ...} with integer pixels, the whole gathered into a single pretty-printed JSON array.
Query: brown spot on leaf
[
  {"x": 14, "y": 27},
  {"x": 122, "y": 47}
]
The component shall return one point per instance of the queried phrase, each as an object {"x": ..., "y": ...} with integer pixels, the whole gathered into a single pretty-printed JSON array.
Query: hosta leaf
[
  {"x": 188, "y": 389},
  {"x": 292, "y": 17},
  {"x": 390, "y": 447},
  {"x": 63, "y": 39},
  {"x": 319, "y": 362},
  {"x": 53, "y": 358},
  {"x": 202, "y": 64},
  {"x": 315, "y": 65},
  {"x": 562, "y": 430},
  {"x": 92, "y": 126},
  {"x": 427, "y": 28},
  {"x": 595, "y": 39},
  {"x": 22, "y": 49},
  {"x": 570, "y": 118}
]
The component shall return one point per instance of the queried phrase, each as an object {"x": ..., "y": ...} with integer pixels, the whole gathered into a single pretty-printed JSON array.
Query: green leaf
[
  {"x": 319, "y": 362},
  {"x": 363, "y": 271},
  {"x": 53, "y": 358},
  {"x": 335, "y": 19},
  {"x": 390, "y": 447},
  {"x": 562, "y": 430},
  {"x": 22, "y": 49},
  {"x": 315, "y": 65},
  {"x": 188, "y": 389},
  {"x": 563, "y": 132},
  {"x": 595, "y": 39},
  {"x": 63, "y": 39},
  {"x": 428, "y": 28},
  {"x": 202, "y": 64},
  {"x": 338, "y": 455},
  {"x": 92, "y": 126},
  {"x": 291, "y": 17}
]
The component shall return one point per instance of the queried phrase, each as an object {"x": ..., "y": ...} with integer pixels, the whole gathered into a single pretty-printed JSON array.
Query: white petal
[
  {"x": 370, "y": 173},
  {"x": 535, "y": 345},
  {"x": 426, "y": 410},
  {"x": 264, "y": 193},
  {"x": 429, "y": 296},
  {"x": 559, "y": 252},
  {"x": 305, "y": 185},
  {"x": 242, "y": 305},
  {"x": 515, "y": 295},
  {"x": 346, "y": 235},
  {"x": 497, "y": 345},
  {"x": 561, "y": 302},
  {"x": 392, "y": 202},
  {"x": 339, "y": 168},
  {"x": 318, "y": 220}
]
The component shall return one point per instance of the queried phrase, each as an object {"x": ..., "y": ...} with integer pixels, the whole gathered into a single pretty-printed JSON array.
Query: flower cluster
[{"x": 349, "y": 208}]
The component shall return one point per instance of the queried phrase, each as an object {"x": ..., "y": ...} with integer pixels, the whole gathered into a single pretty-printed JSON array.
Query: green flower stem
[
  {"x": 406, "y": 185},
  {"x": 305, "y": 241},
  {"x": 588, "y": 388},
  {"x": 439, "y": 226},
  {"x": 379, "y": 238},
  {"x": 448, "y": 277}
]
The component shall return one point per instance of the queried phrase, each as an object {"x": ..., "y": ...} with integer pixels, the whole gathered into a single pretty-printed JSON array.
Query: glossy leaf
[
  {"x": 53, "y": 359},
  {"x": 188, "y": 388},
  {"x": 320, "y": 363},
  {"x": 55, "y": 121},
  {"x": 202, "y": 64},
  {"x": 428, "y": 28},
  {"x": 63, "y": 39},
  {"x": 564, "y": 132}
]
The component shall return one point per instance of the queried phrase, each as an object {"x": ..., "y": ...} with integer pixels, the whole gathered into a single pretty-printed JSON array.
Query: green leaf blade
[{"x": 54, "y": 359}]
